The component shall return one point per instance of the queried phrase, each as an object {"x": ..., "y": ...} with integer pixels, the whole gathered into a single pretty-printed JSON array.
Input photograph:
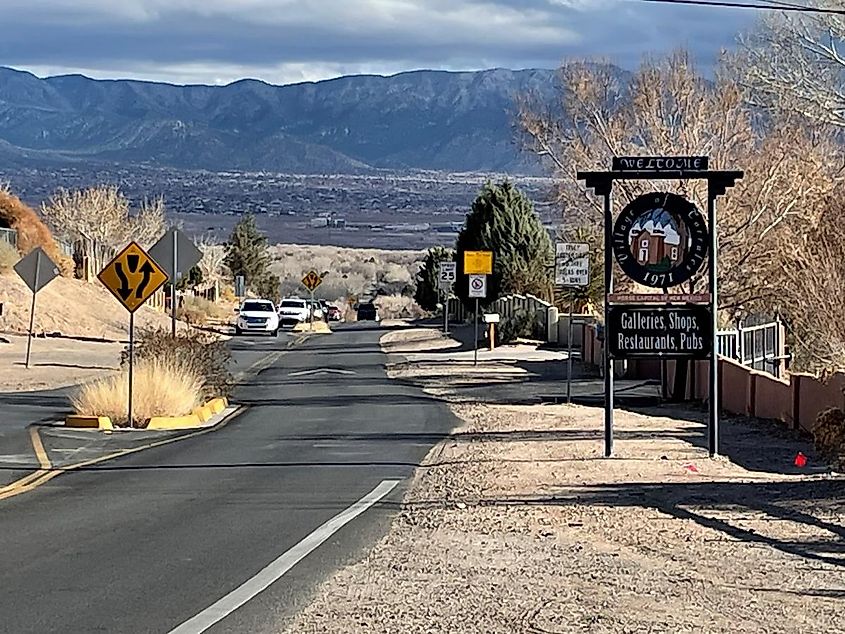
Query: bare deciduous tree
[
  {"x": 667, "y": 108},
  {"x": 813, "y": 293},
  {"x": 98, "y": 221},
  {"x": 795, "y": 63},
  {"x": 213, "y": 261}
]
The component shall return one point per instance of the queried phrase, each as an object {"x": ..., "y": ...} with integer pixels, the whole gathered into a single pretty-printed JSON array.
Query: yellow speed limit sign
[{"x": 478, "y": 262}]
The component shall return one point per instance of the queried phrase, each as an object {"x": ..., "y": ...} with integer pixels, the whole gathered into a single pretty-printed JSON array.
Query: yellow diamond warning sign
[
  {"x": 132, "y": 277},
  {"x": 312, "y": 280}
]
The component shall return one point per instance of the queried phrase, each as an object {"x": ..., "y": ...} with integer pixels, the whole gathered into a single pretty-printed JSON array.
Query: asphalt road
[{"x": 147, "y": 542}]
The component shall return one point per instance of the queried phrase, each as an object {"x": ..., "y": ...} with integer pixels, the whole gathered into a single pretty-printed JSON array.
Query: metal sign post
[
  {"x": 475, "y": 337},
  {"x": 447, "y": 276},
  {"x": 660, "y": 259},
  {"x": 32, "y": 310},
  {"x": 132, "y": 277},
  {"x": 446, "y": 312},
  {"x": 572, "y": 271},
  {"x": 477, "y": 290},
  {"x": 569, "y": 353},
  {"x": 36, "y": 270},
  {"x": 130, "y": 377},
  {"x": 173, "y": 279}
]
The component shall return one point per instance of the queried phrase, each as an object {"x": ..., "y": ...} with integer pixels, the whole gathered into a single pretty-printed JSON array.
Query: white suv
[
  {"x": 257, "y": 315},
  {"x": 293, "y": 310}
]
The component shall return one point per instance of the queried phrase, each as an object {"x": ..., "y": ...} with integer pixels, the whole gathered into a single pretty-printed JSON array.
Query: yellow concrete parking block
[
  {"x": 89, "y": 422},
  {"x": 174, "y": 422}
]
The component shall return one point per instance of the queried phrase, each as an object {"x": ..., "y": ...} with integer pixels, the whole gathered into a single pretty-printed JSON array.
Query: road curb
[
  {"x": 319, "y": 327},
  {"x": 202, "y": 417},
  {"x": 48, "y": 472}
]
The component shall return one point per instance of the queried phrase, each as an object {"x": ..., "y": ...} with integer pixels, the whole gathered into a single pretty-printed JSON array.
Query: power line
[{"x": 773, "y": 6}]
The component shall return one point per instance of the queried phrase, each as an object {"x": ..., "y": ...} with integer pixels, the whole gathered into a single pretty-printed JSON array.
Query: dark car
[{"x": 367, "y": 312}]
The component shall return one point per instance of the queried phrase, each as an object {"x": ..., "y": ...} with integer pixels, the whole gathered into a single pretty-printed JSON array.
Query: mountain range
[{"x": 433, "y": 120}]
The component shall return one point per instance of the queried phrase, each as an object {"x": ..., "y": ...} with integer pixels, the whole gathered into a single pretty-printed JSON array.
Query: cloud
[{"x": 216, "y": 41}]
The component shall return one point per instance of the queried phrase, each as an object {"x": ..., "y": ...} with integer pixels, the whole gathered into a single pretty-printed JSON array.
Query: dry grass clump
[
  {"x": 199, "y": 311},
  {"x": 161, "y": 387},
  {"x": 31, "y": 231},
  {"x": 201, "y": 354},
  {"x": 9, "y": 256}
]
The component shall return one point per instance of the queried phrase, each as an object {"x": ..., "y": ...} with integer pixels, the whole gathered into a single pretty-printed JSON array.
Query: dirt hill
[{"x": 71, "y": 307}]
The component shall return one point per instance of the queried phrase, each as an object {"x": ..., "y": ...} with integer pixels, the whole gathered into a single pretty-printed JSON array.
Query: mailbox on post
[{"x": 491, "y": 319}]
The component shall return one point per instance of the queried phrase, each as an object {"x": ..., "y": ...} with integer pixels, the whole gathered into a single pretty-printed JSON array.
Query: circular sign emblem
[{"x": 660, "y": 239}]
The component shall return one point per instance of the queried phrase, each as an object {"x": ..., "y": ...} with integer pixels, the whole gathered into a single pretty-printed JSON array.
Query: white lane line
[
  {"x": 275, "y": 570},
  {"x": 320, "y": 371}
]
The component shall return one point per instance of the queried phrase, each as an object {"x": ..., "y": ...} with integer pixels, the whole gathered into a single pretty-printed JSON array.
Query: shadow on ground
[{"x": 804, "y": 502}]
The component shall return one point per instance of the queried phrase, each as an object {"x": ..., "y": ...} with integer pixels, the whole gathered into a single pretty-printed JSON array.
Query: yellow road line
[
  {"x": 38, "y": 446},
  {"x": 43, "y": 462},
  {"x": 47, "y": 473},
  {"x": 43, "y": 476}
]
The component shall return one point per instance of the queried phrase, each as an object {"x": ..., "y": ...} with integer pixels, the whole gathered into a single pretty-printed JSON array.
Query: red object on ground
[
  {"x": 691, "y": 467},
  {"x": 800, "y": 460}
]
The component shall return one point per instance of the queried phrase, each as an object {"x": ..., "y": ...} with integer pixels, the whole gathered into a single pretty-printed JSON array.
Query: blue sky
[{"x": 283, "y": 41}]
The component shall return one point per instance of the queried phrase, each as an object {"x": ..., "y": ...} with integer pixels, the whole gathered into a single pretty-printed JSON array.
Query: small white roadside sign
[
  {"x": 448, "y": 274},
  {"x": 478, "y": 286},
  {"x": 572, "y": 264}
]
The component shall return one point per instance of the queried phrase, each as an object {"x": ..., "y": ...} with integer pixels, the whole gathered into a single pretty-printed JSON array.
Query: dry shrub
[
  {"x": 9, "y": 256},
  {"x": 520, "y": 326},
  {"x": 351, "y": 271},
  {"x": 198, "y": 310},
  {"x": 161, "y": 387},
  {"x": 829, "y": 435},
  {"x": 31, "y": 231},
  {"x": 398, "y": 307},
  {"x": 201, "y": 354}
]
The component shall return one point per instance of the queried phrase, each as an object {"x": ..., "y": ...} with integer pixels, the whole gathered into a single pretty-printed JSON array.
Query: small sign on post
[
  {"x": 176, "y": 254},
  {"x": 132, "y": 277},
  {"x": 572, "y": 270},
  {"x": 447, "y": 275},
  {"x": 477, "y": 290},
  {"x": 572, "y": 264},
  {"x": 36, "y": 270},
  {"x": 311, "y": 281}
]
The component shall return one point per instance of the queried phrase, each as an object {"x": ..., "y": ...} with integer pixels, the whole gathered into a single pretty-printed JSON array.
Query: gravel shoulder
[{"x": 516, "y": 523}]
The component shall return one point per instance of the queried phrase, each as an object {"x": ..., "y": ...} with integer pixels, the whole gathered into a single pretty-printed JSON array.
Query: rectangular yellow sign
[{"x": 478, "y": 262}]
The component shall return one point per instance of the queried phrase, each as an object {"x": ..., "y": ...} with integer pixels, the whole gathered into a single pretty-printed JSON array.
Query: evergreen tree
[
  {"x": 193, "y": 279},
  {"x": 246, "y": 252},
  {"x": 427, "y": 294},
  {"x": 503, "y": 221},
  {"x": 269, "y": 287}
]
